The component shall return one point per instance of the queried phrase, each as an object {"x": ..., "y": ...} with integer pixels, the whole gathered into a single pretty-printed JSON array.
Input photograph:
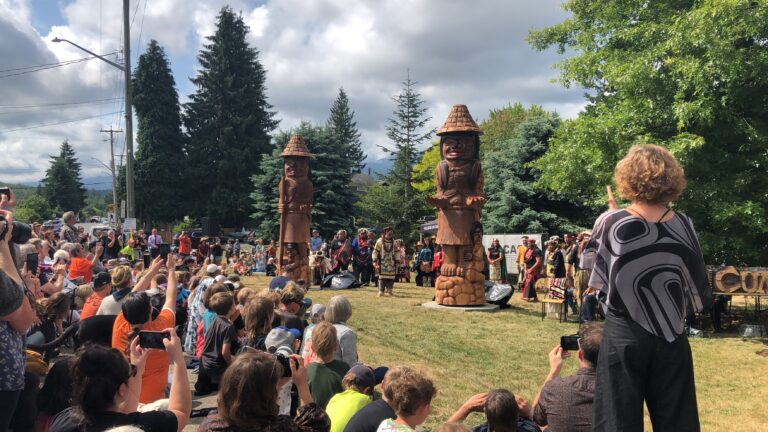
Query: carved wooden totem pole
[
  {"x": 459, "y": 199},
  {"x": 295, "y": 207}
]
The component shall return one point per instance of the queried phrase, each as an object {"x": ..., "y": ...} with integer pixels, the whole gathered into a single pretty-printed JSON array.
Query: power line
[
  {"x": 55, "y": 104},
  {"x": 32, "y": 69},
  {"x": 54, "y": 123}
]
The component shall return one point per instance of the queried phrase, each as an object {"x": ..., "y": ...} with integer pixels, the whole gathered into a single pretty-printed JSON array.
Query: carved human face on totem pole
[
  {"x": 458, "y": 147},
  {"x": 296, "y": 167}
]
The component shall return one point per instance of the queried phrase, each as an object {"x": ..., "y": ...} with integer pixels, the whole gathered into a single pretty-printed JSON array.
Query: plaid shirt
[
  {"x": 196, "y": 310},
  {"x": 565, "y": 404}
]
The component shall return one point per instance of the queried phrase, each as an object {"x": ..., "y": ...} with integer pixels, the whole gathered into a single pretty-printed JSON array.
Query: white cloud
[{"x": 459, "y": 52}]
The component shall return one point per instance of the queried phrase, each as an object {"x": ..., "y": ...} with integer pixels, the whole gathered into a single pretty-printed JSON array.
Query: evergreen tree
[
  {"x": 63, "y": 185},
  {"x": 228, "y": 121},
  {"x": 330, "y": 172},
  {"x": 344, "y": 128},
  {"x": 159, "y": 157},
  {"x": 406, "y": 131}
]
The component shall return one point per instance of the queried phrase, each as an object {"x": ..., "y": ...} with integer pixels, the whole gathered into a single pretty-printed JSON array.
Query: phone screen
[
  {"x": 164, "y": 250},
  {"x": 151, "y": 339},
  {"x": 569, "y": 343},
  {"x": 5, "y": 191},
  {"x": 32, "y": 263}
]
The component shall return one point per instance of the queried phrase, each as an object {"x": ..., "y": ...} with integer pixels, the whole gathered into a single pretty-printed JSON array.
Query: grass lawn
[{"x": 468, "y": 353}]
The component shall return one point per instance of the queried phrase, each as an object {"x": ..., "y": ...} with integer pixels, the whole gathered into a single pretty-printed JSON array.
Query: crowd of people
[{"x": 137, "y": 316}]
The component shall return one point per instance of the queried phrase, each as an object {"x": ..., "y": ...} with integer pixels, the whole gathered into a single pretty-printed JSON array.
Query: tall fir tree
[
  {"x": 228, "y": 121},
  {"x": 344, "y": 128},
  {"x": 330, "y": 172},
  {"x": 406, "y": 130},
  {"x": 160, "y": 154},
  {"x": 63, "y": 186}
]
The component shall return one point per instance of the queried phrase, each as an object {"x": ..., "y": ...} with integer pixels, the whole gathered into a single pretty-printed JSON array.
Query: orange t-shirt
[
  {"x": 92, "y": 304},
  {"x": 185, "y": 245},
  {"x": 155, "y": 377},
  {"x": 80, "y": 267}
]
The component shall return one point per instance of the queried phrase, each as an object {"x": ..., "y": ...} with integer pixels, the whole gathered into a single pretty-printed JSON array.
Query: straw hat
[
  {"x": 459, "y": 120},
  {"x": 296, "y": 147}
]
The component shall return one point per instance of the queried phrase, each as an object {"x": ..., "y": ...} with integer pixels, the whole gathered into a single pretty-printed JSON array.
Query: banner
[
  {"x": 509, "y": 242},
  {"x": 738, "y": 281}
]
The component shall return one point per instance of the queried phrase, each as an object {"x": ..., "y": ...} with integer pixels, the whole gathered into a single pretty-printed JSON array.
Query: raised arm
[
  {"x": 173, "y": 289},
  {"x": 144, "y": 282}
]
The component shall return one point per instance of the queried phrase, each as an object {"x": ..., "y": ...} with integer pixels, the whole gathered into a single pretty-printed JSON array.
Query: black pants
[
  {"x": 8, "y": 402},
  {"x": 362, "y": 272},
  {"x": 635, "y": 366}
]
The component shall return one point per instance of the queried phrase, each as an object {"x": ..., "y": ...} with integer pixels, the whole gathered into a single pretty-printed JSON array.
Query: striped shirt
[{"x": 651, "y": 272}]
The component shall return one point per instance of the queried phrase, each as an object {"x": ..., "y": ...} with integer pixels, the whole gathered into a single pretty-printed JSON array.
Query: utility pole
[
  {"x": 112, "y": 133},
  {"x": 129, "y": 192}
]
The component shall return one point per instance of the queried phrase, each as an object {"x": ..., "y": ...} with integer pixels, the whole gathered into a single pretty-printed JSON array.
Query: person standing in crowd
[
  {"x": 341, "y": 252},
  {"x": 153, "y": 243},
  {"x": 403, "y": 266},
  {"x": 497, "y": 262},
  {"x": 385, "y": 260},
  {"x": 203, "y": 250},
  {"x": 316, "y": 242},
  {"x": 650, "y": 275},
  {"x": 437, "y": 262},
  {"x": 113, "y": 246},
  {"x": 79, "y": 265},
  {"x": 565, "y": 403},
  {"x": 16, "y": 317},
  {"x": 570, "y": 252},
  {"x": 185, "y": 244},
  {"x": 521, "y": 250},
  {"x": 68, "y": 231},
  {"x": 217, "y": 251},
  {"x": 424, "y": 264},
  {"x": 534, "y": 259},
  {"x": 141, "y": 241},
  {"x": 361, "y": 257}
]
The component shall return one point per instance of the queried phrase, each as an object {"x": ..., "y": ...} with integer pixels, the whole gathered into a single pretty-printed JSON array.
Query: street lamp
[{"x": 129, "y": 193}]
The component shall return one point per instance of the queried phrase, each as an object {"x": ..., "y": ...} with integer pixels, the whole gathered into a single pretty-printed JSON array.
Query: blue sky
[{"x": 459, "y": 52}]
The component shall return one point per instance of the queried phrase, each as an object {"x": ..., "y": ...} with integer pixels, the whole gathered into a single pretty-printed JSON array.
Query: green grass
[{"x": 470, "y": 352}]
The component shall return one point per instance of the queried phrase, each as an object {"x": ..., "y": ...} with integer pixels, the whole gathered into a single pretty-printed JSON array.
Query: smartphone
[
  {"x": 5, "y": 190},
  {"x": 569, "y": 343},
  {"x": 32, "y": 263},
  {"x": 152, "y": 339},
  {"x": 165, "y": 249}
]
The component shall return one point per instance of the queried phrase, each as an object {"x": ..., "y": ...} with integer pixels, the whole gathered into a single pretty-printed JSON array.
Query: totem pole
[
  {"x": 459, "y": 199},
  {"x": 295, "y": 207}
]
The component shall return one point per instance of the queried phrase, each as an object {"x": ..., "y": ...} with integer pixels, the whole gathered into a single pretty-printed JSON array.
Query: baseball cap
[
  {"x": 280, "y": 337},
  {"x": 101, "y": 279},
  {"x": 212, "y": 268},
  {"x": 364, "y": 375}
]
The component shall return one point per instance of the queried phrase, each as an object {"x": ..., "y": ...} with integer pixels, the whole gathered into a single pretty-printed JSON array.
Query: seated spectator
[
  {"x": 259, "y": 315},
  {"x": 106, "y": 391},
  {"x": 278, "y": 282},
  {"x": 338, "y": 311},
  {"x": 271, "y": 268},
  {"x": 358, "y": 386},
  {"x": 372, "y": 415},
  {"x": 55, "y": 309},
  {"x": 504, "y": 412},
  {"x": 411, "y": 399},
  {"x": 248, "y": 398},
  {"x": 122, "y": 280},
  {"x": 80, "y": 267},
  {"x": 102, "y": 286},
  {"x": 326, "y": 373},
  {"x": 453, "y": 427},
  {"x": 220, "y": 344},
  {"x": 589, "y": 305},
  {"x": 56, "y": 394},
  {"x": 315, "y": 316},
  {"x": 137, "y": 315},
  {"x": 565, "y": 404},
  {"x": 292, "y": 300},
  {"x": 283, "y": 341}
]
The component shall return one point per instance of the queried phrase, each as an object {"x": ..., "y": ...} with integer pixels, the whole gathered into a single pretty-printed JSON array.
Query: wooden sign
[{"x": 739, "y": 281}]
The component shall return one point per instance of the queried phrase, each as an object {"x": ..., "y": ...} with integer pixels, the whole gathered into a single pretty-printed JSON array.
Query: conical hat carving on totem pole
[
  {"x": 296, "y": 147},
  {"x": 459, "y": 120}
]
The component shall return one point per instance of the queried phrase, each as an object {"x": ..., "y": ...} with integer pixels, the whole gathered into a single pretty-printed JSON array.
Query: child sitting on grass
[
  {"x": 358, "y": 386},
  {"x": 220, "y": 342},
  {"x": 411, "y": 399},
  {"x": 326, "y": 373}
]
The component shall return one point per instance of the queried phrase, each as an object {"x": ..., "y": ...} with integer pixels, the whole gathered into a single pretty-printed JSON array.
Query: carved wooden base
[{"x": 467, "y": 290}]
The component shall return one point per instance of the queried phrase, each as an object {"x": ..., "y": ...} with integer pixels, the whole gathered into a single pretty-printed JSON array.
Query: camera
[
  {"x": 21, "y": 231},
  {"x": 282, "y": 355}
]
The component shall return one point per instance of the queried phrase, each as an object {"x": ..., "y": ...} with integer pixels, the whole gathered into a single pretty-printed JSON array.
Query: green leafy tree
[
  {"x": 160, "y": 155},
  {"x": 63, "y": 186},
  {"x": 424, "y": 170},
  {"x": 330, "y": 172},
  {"x": 229, "y": 122},
  {"x": 502, "y": 124},
  {"x": 689, "y": 75},
  {"x": 344, "y": 128},
  {"x": 33, "y": 208}
]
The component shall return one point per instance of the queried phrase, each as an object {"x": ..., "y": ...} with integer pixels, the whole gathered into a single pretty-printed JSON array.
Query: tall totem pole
[
  {"x": 295, "y": 207},
  {"x": 459, "y": 199}
]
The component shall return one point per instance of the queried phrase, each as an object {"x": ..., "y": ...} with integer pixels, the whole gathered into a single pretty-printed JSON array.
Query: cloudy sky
[{"x": 458, "y": 52}]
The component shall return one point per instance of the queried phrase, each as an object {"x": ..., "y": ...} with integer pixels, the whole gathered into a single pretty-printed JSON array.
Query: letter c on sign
[{"x": 727, "y": 280}]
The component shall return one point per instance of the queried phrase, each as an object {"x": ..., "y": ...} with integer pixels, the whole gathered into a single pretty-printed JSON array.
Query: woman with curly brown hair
[{"x": 649, "y": 275}]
